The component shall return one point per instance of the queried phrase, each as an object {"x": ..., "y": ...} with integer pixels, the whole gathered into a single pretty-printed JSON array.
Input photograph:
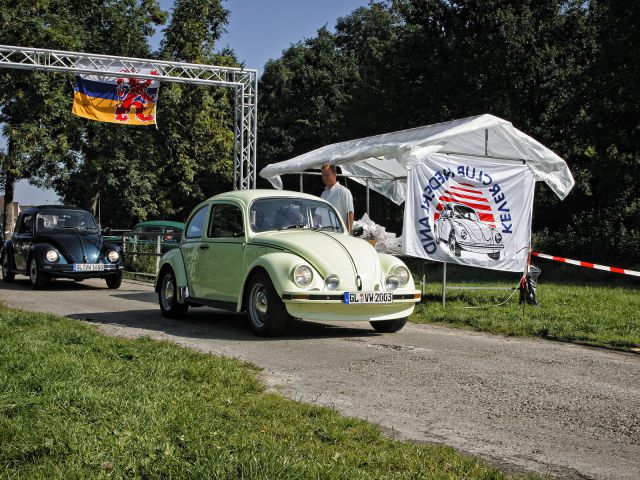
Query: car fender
[
  {"x": 38, "y": 252},
  {"x": 278, "y": 266},
  {"x": 387, "y": 262},
  {"x": 173, "y": 258}
]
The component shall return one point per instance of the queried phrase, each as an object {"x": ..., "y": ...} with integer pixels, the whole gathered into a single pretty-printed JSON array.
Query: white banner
[{"x": 470, "y": 212}]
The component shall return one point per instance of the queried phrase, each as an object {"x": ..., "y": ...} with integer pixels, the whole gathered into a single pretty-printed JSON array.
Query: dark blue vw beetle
[{"x": 63, "y": 242}]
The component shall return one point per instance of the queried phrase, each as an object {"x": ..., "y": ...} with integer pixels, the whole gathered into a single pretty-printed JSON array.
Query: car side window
[
  {"x": 26, "y": 224},
  {"x": 171, "y": 234},
  {"x": 196, "y": 224},
  {"x": 150, "y": 233},
  {"x": 226, "y": 222}
]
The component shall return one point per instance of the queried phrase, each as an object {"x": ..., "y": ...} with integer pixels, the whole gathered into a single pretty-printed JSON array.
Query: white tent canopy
[{"x": 385, "y": 159}]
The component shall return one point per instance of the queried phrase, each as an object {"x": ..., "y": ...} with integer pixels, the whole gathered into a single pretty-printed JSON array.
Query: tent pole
[
  {"x": 368, "y": 197},
  {"x": 444, "y": 284},
  {"x": 486, "y": 142}
]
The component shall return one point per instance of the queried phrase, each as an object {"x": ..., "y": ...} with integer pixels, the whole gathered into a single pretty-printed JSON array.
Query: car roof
[
  {"x": 247, "y": 196},
  {"x": 160, "y": 223},
  {"x": 38, "y": 208}
]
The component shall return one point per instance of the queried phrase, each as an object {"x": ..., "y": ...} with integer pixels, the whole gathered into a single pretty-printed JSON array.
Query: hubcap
[
  {"x": 33, "y": 272},
  {"x": 259, "y": 305},
  {"x": 167, "y": 292},
  {"x": 452, "y": 244}
]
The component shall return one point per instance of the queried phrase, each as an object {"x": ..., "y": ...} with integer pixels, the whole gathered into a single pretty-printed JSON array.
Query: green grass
[
  {"x": 77, "y": 404},
  {"x": 593, "y": 308}
]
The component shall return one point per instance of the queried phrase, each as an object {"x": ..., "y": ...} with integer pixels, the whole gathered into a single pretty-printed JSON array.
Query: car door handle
[{"x": 204, "y": 246}]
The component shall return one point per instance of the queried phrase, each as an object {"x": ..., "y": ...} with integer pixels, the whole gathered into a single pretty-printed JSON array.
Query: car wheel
[
  {"x": 114, "y": 281},
  {"x": 389, "y": 326},
  {"x": 37, "y": 279},
  {"x": 494, "y": 255},
  {"x": 7, "y": 274},
  {"x": 168, "y": 296},
  {"x": 267, "y": 314},
  {"x": 454, "y": 248},
  {"x": 435, "y": 234}
]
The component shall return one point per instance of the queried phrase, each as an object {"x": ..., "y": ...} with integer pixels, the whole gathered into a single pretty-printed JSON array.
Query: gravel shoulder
[{"x": 523, "y": 404}]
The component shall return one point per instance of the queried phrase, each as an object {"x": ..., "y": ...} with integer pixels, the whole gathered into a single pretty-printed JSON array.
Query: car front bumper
[
  {"x": 331, "y": 307},
  {"x": 481, "y": 247},
  {"x": 66, "y": 271}
]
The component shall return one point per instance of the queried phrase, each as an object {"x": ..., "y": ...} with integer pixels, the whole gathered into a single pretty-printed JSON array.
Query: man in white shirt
[{"x": 337, "y": 195}]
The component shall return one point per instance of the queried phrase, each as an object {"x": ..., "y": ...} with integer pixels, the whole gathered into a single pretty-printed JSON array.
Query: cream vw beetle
[{"x": 278, "y": 255}]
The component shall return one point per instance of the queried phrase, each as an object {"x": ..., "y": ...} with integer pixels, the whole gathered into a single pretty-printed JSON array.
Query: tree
[
  {"x": 44, "y": 140},
  {"x": 563, "y": 71},
  {"x": 136, "y": 172}
]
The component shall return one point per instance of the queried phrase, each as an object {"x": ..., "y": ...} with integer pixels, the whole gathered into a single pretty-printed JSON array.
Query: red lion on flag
[{"x": 134, "y": 95}]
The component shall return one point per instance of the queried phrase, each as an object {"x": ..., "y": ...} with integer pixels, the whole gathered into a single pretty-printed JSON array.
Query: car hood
[
  {"x": 478, "y": 231},
  {"x": 330, "y": 253},
  {"x": 76, "y": 247}
]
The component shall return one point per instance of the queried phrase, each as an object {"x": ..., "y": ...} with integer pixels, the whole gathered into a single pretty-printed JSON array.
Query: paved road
[{"x": 522, "y": 404}]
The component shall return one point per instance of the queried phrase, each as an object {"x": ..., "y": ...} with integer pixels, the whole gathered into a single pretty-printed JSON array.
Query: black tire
[
  {"x": 37, "y": 279},
  {"x": 168, "y": 296},
  {"x": 114, "y": 281},
  {"x": 7, "y": 274},
  {"x": 267, "y": 314},
  {"x": 453, "y": 245},
  {"x": 389, "y": 326},
  {"x": 494, "y": 255}
]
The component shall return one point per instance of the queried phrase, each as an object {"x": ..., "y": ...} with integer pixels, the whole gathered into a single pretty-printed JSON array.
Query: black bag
[{"x": 528, "y": 286}]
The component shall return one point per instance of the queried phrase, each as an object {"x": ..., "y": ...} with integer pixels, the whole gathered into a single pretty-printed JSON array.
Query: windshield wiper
[{"x": 295, "y": 225}]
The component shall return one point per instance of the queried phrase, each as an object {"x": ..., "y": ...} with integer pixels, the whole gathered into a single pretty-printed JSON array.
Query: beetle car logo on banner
[{"x": 469, "y": 212}]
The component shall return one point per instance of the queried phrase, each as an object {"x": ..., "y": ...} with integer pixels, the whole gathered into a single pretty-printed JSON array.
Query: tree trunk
[{"x": 8, "y": 218}]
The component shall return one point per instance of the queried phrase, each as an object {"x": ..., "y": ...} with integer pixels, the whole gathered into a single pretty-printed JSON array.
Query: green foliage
[
  {"x": 137, "y": 172},
  {"x": 195, "y": 27},
  {"x": 77, "y": 404},
  {"x": 562, "y": 71}
]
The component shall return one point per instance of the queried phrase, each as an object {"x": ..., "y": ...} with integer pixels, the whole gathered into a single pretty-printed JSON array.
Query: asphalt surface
[{"x": 525, "y": 405}]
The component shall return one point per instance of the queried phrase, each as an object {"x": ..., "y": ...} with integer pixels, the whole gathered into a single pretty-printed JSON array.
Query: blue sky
[{"x": 258, "y": 30}]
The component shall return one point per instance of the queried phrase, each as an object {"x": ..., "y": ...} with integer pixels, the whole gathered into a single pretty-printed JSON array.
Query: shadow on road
[
  {"x": 201, "y": 322},
  {"x": 208, "y": 323},
  {"x": 62, "y": 284}
]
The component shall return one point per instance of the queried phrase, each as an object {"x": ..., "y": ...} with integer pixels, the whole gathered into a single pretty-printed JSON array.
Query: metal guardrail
[{"x": 131, "y": 250}]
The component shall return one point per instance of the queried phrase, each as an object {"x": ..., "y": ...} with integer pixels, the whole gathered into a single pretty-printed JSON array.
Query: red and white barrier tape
[{"x": 587, "y": 264}]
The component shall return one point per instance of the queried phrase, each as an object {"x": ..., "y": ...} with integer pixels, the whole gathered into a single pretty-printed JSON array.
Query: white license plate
[
  {"x": 88, "y": 267},
  {"x": 368, "y": 297}
]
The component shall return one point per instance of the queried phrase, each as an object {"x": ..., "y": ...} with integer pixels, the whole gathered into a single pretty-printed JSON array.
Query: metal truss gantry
[{"x": 243, "y": 81}]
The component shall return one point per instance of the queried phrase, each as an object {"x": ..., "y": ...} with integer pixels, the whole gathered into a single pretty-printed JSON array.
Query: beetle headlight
[
  {"x": 52, "y": 256},
  {"x": 113, "y": 256},
  {"x": 463, "y": 234},
  {"x": 391, "y": 282},
  {"x": 332, "y": 282},
  {"x": 402, "y": 274},
  {"x": 302, "y": 275},
  {"x": 498, "y": 238}
]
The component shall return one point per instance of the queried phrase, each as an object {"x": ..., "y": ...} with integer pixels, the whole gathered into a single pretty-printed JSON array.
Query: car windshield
[
  {"x": 65, "y": 220},
  {"x": 290, "y": 213},
  {"x": 465, "y": 212}
]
